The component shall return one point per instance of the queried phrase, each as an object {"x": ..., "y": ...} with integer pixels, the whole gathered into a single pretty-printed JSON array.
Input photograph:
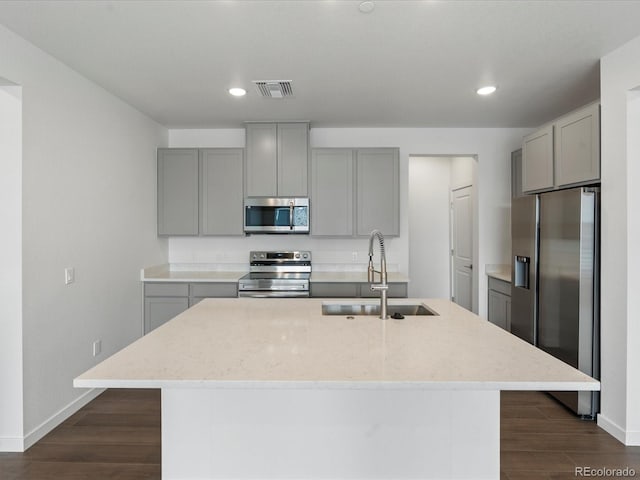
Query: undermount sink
[{"x": 374, "y": 309}]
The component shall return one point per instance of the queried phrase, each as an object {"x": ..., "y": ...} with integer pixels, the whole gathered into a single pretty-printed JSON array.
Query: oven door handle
[{"x": 291, "y": 215}]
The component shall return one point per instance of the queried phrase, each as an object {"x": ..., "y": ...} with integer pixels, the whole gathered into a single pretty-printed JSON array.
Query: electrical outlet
[
  {"x": 97, "y": 347},
  {"x": 69, "y": 275}
]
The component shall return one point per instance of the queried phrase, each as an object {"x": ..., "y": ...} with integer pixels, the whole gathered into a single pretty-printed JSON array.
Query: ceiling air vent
[{"x": 274, "y": 88}]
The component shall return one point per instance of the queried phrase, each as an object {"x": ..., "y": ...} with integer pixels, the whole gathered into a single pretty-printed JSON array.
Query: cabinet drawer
[
  {"x": 166, "y": 290},
  {"x": 337, "y": 290},
  {"x": 396, "y": 290},
  {"x": 500, "y": 286},
  {"x": 212, "y": 290}
]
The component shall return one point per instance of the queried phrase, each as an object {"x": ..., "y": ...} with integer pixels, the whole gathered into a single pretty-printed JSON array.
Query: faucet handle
[{"x": 380, "y": 286}]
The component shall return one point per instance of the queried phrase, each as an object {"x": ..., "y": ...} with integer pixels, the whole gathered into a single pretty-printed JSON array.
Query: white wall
[
  {"x": 11, "y": 428},
  {"x": 88, "y": 194},
  {"x": 492, "y": 147},
  {"x": 620, "y": 283}
]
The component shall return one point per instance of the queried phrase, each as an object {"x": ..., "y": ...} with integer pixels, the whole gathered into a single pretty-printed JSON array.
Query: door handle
[
  {"x": 470, "y": 267},
  {"x": 290, "y": 215}
]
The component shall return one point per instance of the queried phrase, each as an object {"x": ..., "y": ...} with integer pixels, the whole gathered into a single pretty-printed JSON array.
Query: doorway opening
[{"x": 433, "y": 180}]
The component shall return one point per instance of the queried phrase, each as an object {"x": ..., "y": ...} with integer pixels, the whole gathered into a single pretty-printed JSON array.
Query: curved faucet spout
[{"x": 382, "y": 286}]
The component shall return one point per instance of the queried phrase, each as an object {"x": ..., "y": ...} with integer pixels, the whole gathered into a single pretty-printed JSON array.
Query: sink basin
[{"x": 374, "y": 309}]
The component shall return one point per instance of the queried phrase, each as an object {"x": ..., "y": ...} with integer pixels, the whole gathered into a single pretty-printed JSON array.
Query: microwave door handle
[{"x": 290, "y": 215}]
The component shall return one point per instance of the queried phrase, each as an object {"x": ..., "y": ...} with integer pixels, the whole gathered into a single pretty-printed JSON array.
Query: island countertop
[{"x": 288, "y": 343}]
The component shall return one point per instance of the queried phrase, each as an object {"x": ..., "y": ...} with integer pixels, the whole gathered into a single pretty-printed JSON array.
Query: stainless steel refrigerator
[{"x": 555, "y": 281}]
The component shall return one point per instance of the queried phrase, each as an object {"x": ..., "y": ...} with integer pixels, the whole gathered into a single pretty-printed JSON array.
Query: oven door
[
  {"x": 276, "y": 215},
  {"x": 274, "y": 285}
]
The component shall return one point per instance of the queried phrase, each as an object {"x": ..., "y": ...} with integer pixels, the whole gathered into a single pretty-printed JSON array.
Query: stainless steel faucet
[{"x": 382, "y": 286}]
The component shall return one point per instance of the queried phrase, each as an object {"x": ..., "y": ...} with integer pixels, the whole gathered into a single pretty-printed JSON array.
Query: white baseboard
[
  {"x": 629, "y": 438},
  {"x": 57, "y": 418},
  {"x": 11, "y": 444}
]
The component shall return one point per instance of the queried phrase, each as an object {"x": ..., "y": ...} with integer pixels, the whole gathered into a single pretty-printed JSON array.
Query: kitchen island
[{"x": 271, "y": 388}]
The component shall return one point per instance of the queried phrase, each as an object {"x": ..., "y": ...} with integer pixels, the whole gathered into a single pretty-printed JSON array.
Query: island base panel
[{"x": 330, "y": 434}]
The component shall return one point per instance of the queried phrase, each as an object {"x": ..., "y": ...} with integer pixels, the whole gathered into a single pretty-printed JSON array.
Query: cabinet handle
[{"x": 470, "y": 267}]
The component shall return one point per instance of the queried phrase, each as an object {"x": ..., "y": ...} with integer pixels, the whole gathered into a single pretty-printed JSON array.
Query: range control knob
[
  {"x": 254, "y": 256},
  {"x": 262, "y": 255},
  {"x": 297, "y": 255},
  {"x": 305, "y": 255}
]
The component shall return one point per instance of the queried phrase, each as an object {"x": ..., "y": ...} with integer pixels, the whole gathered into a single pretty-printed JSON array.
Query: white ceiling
[{"x": 408, "y": 63}]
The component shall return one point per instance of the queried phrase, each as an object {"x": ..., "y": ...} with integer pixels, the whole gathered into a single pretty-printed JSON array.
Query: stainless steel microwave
[{"x": 276, "y": 215}]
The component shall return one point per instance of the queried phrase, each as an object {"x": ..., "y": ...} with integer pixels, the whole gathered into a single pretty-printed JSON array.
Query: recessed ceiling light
[
  {"x": 488, "y": 90},
  {"x": 366, "y": 7},
  {"x": 237, "y": 92}
]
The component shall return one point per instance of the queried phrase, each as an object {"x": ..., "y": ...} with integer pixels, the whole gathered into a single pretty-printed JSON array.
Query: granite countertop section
[
  {"x": 355, "y": 277},
  {"x": 288, "y": 344}
]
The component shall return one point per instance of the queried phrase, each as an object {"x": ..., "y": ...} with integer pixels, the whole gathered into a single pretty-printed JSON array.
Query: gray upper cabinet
[
  {"x": 293, "y": 159},
  {"x": 262, "y": 160},
  {"x": 377, "y": 188},
  {"x": 178, "y": 191},
  {"x": 277, "y": 159},
  {"x": 200, "y": 191},
  {"x": 354, "y": 191},
  {"x": 537, "y": 160},
  {"x": 332, "y": 191},
  {"x": 577, "y": 144},
  {"x": 221, "y": 195},
  {"x": 566, "y": 152},
  {"x": 516, "y": 173}
]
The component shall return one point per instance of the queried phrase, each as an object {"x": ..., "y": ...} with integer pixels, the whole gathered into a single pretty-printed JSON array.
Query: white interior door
[{"x": 462, "y": 247}]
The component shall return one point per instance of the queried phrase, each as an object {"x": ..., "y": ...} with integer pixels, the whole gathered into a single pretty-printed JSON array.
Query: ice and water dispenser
[{"x": 521, "y": 272}]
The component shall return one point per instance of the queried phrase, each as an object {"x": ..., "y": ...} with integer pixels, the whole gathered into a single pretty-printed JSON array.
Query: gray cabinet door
[
  {"x": 261, "y": 172},
  {"x": 498, "y": 306},
  {"x": 293, "y": 159},
  {"x": 332, "y": 192},
  {"x": 516, "y": 173},
  {"x": 221, "y": 194},
  {"x": 537, "y": 160},
  {"x": 577, "y": 147},
  {"x": 334, "y": 290},
  {"x": 177, "y": 191},
  {"x": 377, "y": 187},
  {"x": 159, "y": 310}
]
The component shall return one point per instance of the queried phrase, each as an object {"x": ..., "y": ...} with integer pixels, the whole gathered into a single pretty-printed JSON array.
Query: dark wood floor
[{"x": 117, "y": 436}]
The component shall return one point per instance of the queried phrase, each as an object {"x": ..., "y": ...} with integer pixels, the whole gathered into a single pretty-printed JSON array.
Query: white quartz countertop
[
  {"x": 503, "y": 275},
  {"x": 288, "y": 343},
  {"x": 163, "y": 273}
]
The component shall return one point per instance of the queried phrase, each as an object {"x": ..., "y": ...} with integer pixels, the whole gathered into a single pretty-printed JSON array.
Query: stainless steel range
[{"x": 276, "y": 274}]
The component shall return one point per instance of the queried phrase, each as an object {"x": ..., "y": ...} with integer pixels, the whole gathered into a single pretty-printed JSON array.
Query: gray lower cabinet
[
  {"x": 355, "y": 290},
  {"x": 200, "y": 191},
  {"x": 277, "y": 159},
  {"x": 354, "y": 191},
  {"x": 500, "y": 303},
  {"x": 164, "y": 300},
  {"x": 177, "y": 191}
]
